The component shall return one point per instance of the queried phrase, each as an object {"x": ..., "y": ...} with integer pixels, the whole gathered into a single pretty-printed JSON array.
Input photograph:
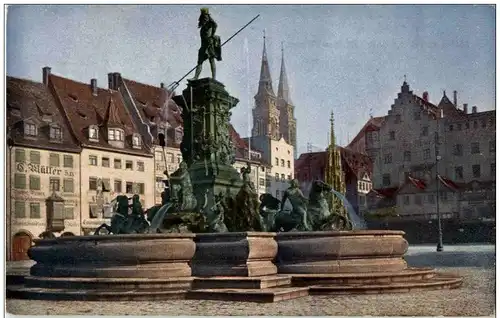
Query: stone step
[
  {"x": 109, "y": 283},
  {"x": 409, "y": 274},
  {"x": 266, "y": 295},
  {"x": 225, "y": 282},
  {"x": 22, "y": 292},
  {"x": 436, "y": 282}
]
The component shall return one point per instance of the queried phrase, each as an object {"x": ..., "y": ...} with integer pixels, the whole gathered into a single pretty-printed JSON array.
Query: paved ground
[{"x": 475, "y": 298}]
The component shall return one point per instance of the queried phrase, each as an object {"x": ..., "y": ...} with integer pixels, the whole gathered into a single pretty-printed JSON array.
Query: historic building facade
[
  {"x": 418, "y": 140},
  {"x": 43, "y": 168}
]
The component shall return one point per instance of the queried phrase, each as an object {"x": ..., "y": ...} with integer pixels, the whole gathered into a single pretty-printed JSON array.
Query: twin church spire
[{"x": 273, "y": 114}]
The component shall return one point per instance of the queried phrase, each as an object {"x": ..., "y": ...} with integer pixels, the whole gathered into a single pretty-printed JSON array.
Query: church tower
[
  {"x": 288, "y": 123},
  {"x": 265, "y": 113}
]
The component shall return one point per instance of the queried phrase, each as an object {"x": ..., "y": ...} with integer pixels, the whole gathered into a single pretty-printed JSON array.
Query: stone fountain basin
[
  {"x": 341, "y": 252},
  {"x": 107, "y": 256}
]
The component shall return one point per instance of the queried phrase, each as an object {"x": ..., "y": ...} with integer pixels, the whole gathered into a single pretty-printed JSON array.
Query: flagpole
[{"x": 439, "y": 247}]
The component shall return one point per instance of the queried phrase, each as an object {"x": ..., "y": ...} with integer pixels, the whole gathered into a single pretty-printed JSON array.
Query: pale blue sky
[{"x": 349, "y": 58}]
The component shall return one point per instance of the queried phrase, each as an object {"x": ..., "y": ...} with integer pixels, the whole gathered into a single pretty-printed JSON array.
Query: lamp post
[{"x": 439, "y": 247}]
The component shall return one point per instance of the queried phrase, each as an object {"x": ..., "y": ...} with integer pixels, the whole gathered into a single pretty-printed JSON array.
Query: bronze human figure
[{"x": 210, "y": 43}]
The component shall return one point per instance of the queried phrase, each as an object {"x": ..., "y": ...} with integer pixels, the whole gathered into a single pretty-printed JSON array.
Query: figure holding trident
[{"x": 210, "y": 43}]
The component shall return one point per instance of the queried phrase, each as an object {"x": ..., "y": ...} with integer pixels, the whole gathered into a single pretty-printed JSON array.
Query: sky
[{"x": 349, "y": 59}]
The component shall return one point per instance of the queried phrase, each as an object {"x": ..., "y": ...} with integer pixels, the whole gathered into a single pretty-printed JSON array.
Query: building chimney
[
  {"x": 116, "y": 80},
  {"x": 466, "y": 108},
  {"x": 45, "y": 75},
  {"x": 110, "y": 81},
  {"x": 455, "y": 99},
  {"x": 425, "y": 96},
  {"x": 474, "y": 109},
  {"x": 162, "y": 85},
  {"x": 93, "y": 86}
]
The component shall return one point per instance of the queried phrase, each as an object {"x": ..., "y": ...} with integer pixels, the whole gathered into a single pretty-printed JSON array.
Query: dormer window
[
  {"x": 30, "y": 129},
  {"x": 93, "y": 133},
  {"x": 136, "y": 141},
  {"x": 115, "y": 134},
  {"x": 55, "y": 133}
]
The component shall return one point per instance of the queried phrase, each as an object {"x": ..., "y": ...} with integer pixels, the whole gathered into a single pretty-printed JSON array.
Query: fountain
[{"x": 211, "y": 239}]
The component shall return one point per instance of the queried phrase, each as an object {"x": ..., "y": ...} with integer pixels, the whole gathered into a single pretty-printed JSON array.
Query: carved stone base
[{"x": 234, "y": 254}]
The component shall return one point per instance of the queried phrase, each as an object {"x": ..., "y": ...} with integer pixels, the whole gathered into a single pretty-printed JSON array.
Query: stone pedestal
[
  {"x": 244, "y": 254},
  {"x": 206, "y": 146}
]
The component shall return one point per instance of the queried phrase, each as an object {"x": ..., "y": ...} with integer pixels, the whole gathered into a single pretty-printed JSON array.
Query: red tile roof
[
  {"x": 385, "y": 192},
  {"x": 28, "y": 100},
  {"x": 373, "y": 124},
  {"x": 83, "y": 109}
]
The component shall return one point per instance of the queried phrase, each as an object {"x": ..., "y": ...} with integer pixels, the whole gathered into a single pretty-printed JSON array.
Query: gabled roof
[
  {"x": 373, "y": 124},
  {"x": 28, "y": 100},
  {"x": 83, "y": 110},
  {"x": 386, "y": 193}
]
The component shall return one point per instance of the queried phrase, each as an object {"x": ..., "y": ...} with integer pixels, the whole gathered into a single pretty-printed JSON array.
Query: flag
[
  {"x": 418, "y": 183},
  {"x": 448, "y": 183}
]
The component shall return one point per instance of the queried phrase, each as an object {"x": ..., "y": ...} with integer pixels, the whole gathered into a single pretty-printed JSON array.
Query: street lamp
[{"x": 439, "y": 247}]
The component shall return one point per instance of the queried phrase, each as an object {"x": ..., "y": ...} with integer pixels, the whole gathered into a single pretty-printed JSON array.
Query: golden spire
[{"x": 333, "y": 171}]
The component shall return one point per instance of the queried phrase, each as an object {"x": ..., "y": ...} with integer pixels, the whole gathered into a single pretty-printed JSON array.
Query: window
[
  {"x": 93, "y": 133},
  {"x": 425, "y": 131},
  {"x": 418, "y": 199},
  {"x": 54, "y": 160},
  {"x": 118, "y": 185},
  {"x": 140, "y": 165},
  {"x": 129, "y": 165},
  {"x": 35, "y": 182},
  {"x": 282, "y": 162},
  {"x": 277, "y": 177},
  {"x": 105, "y": 162},
  {"x": 277, "y": 161},
  {"x": 282, "y": 177},
  {"x": 118, "y": 164},
  {"x": 34, "y": 157},
  {"x": 158, "y": 156},
  {"x": 115, "y": 134},
  {"x": 397, "y": 119},
  {"x": 262, "y": 182},
  {"x": 30, "y": 129},
  {"x": 493, "y": 170},
  {"x": 68, "y": 161},
  {"x": 92, "y": 183},
  {"x": 129, "y": 187},
  {"x": 450, "y": 128},
  {"x": 458, "y": 150},
  {"x": 55, "y": 133},
  {"x": 179, "y": 158},
  {"x": 388, "y": 158},
  {"x": 406, "y": 198},
  {"x": 20, "y": 181},
  {"x": 443, "y": 195},
  {"x": 170, "y": 157},
  {"x": 459, "y": 173},
  {"x": 159, "y": 183},
  {"x": 392, "y": 135},
  {"x": 427, "y": 153},
  {"x": 474, "y": 148},
  {"x": 476, "y": 171},
  {"x": 483, "y": 123},
  {"x": 68, "y": 185},
  {"x": 416, "y": 115},
  {"x": 277, "y": 194},
  {"x": 55, "y": 184},
  {"x": 492, "y": 146},
  {"x": 20, "y": 155},
  {"x": 140, "y": 187},
  {"x": 35, "y": 210},
  {"x": 136, "y": 141},
  {"x": 288, "y": 164},
  {"x": 459, "y": 126},
  {"x": 431, "y": 198},
  {"x": 289, "y": 177},
  {"x": 20, "y": 209},
  {"x": 407, "y": 156},
  {"x": 386, "y": 179},
  {"x": 93, "y": 160},
  {"x": 263, "y": 169},
  {"x": 467, "y": 125},
  {"x": 68, "y": 213}
]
